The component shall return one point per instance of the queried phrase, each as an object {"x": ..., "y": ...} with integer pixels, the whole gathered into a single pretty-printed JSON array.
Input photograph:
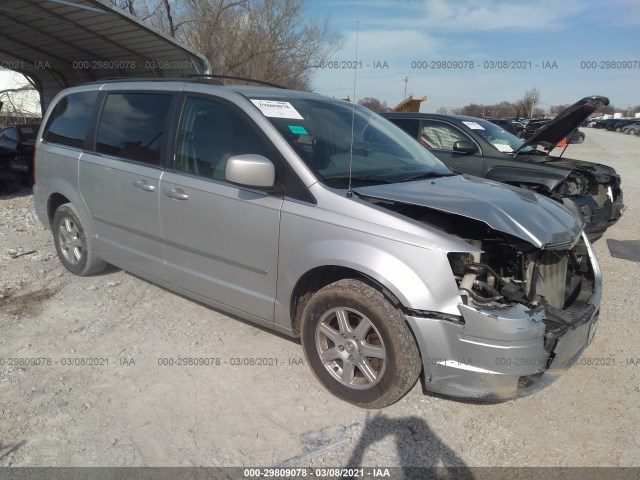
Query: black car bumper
[{"x": 597, "y": 218}]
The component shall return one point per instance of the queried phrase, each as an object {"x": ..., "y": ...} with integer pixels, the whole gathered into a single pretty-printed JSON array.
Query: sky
[{"x": 568, "y": 49}]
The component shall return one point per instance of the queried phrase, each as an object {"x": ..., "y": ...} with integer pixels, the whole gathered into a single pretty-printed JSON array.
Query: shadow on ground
[{"x": 417, "y": 447}]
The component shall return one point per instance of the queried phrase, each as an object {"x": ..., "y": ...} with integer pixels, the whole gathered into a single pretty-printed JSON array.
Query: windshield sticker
[
  {"x": 298, "y": 130},
  {"x": 474, "y": 125},
  {"x": 272, "y": 108},
  {"x": 502, "y": 147},
  {"x": 305, "y": 140}
]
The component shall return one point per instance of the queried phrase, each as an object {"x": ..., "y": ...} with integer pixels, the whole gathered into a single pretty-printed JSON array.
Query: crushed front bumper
[{"x": 503, "y": 354}]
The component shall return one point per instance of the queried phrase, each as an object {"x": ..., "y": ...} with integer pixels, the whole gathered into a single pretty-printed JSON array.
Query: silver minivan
[{"x": 321, "y": 220}]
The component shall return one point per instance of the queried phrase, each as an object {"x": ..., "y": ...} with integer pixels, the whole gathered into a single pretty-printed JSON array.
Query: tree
[
  {"x": 556, "y": 109},
  {"x": 374, "y": 104},
  {"x": 529, "y": 102},
  {"x": 271, "y": 40},
  {"x": 607, "y": 109},
  {"x": 20, "y": 103}
]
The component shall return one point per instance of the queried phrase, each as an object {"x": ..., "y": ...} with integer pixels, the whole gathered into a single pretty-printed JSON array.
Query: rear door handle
[
  {"x": 144, "y": 186},
  {"x": 176, "y": 193}
]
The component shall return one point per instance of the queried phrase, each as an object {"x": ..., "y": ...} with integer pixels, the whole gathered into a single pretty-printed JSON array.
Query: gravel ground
[{"x": 132, "y": 411}]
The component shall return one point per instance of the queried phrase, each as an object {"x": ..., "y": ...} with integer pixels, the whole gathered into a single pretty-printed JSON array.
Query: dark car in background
[
  {"x": 632, "y": 128},
  {"x": 616, "y": 124},
  {"x": 9, "y": 176},
  {"x": 510, "y": 125},
  {"x": 577, "y": 136},
  {"x": 592, "y": 191},
  {"x": 21, "y": 140},
  {"x": 532, "y": 126}
]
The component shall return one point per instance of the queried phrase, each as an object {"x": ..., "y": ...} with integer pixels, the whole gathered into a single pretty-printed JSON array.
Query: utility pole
[{"x": 406, "y": 81}]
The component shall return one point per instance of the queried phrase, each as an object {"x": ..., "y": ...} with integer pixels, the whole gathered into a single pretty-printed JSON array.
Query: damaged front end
[
  {"x": 529, "y": 286},
  {"x": 594, "y": 193},
  {"x": 526, "y": 315}
]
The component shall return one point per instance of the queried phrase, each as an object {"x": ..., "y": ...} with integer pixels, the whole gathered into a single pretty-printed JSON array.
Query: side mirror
[
  {"x": 465, "y": 146},
  {"x": 250, "y": 170}
]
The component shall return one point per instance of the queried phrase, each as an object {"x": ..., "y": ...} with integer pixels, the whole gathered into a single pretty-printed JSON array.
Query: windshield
[
  {"x": 320, "y": 132},
  {"x": 502, "y": 140}
]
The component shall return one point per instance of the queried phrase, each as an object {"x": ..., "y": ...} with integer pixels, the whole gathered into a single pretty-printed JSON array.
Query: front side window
[
  {"x": 339, "y": 140},
  {"x": 439, "y": 135},
  {"x": 68, "y": 123},
  {"x": 132, "y": 126},
  {"x": 209, "y": 134}
]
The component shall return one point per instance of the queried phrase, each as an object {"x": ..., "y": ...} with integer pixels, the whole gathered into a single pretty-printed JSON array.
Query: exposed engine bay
[{"x": 511, "y": 271}]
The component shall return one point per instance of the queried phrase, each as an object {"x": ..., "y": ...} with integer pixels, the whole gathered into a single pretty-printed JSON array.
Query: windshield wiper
[
  {"x": 428, "y": 175},
  {"x": 358, "y": 178}
]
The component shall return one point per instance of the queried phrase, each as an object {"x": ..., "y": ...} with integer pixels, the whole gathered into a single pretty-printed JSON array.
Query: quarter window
[
  {"x": 210, "y": 133},
  {"x": 440, "y": 136},
  {"x": 69, "y": 120},
  {"x": 132, "y": 126}
]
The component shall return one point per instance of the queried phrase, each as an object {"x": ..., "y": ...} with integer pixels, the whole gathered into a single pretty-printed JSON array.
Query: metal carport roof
[{"x": 62, "y": 43}]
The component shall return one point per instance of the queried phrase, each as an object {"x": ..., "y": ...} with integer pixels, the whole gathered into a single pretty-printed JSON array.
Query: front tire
[
  {"x": 359, "y": 345},
  {"x": 74, "y": 243}
]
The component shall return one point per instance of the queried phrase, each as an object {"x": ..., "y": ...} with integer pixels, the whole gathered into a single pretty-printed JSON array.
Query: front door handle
[
  {"x": 144, "y": 186},
  {"x": 176, "y": 193}
]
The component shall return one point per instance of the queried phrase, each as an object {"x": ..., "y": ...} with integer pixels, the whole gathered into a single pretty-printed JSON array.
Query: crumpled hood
[
  {"x": 521, "y": 213},
  {"x": 565, "y": 122},
  {"x": 602, "y": 173}
]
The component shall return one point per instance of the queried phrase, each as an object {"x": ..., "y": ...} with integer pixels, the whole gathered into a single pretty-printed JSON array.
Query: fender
[
  {"x": 410, "y": 273},
  {"x": 512, "y": 175}
]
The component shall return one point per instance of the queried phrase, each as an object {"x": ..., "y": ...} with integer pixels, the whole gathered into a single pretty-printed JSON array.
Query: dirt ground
[{"x": 99, "y": 395}]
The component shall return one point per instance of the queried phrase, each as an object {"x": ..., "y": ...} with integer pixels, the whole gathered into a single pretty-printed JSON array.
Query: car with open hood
[
  {"x": 321, "y": 220},
  {"x": 592, "y": 191}
]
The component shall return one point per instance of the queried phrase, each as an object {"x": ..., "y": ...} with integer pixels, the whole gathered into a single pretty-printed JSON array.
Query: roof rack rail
[
  {"x": 138, "y": 79},
  {"x": 231, "y": 77},
  {"x": 192, "y": 76}
]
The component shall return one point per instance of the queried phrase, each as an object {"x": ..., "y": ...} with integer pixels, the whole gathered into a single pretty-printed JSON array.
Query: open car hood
[
  {"x": 565, "y": 122},
  {"x": 514, "y": 211}
]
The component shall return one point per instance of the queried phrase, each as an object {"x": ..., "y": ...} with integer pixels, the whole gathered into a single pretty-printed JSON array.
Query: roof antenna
[{"x": 353, "y": 111}]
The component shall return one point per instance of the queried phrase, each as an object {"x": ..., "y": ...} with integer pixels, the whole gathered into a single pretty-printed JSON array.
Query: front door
[
  {"x": 220, "y": 239},
  {"x": 439, "y": 138}
]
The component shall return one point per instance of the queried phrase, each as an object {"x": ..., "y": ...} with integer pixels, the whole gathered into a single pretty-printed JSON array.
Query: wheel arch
[
  {"x": 59, "y": 192},
  {"x": 319, "y": 277},
  {"x": 53, "y": 203}
]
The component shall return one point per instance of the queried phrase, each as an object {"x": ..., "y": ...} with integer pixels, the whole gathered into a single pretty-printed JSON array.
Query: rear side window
[
  {"x": 411, "y": 126},
  {"x": 132, "y": 126},
  {"x": 69, "y": 120}
]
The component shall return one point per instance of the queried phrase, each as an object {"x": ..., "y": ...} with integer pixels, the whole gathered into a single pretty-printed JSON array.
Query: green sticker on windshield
[{"x": 298, "y": 130}]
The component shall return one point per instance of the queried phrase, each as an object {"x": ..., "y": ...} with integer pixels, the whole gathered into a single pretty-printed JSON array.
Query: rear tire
[
  {"x": 74, "y": 243},
  {"x": 631, "y": 132},
  {"x": 359, "y": 345}
]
